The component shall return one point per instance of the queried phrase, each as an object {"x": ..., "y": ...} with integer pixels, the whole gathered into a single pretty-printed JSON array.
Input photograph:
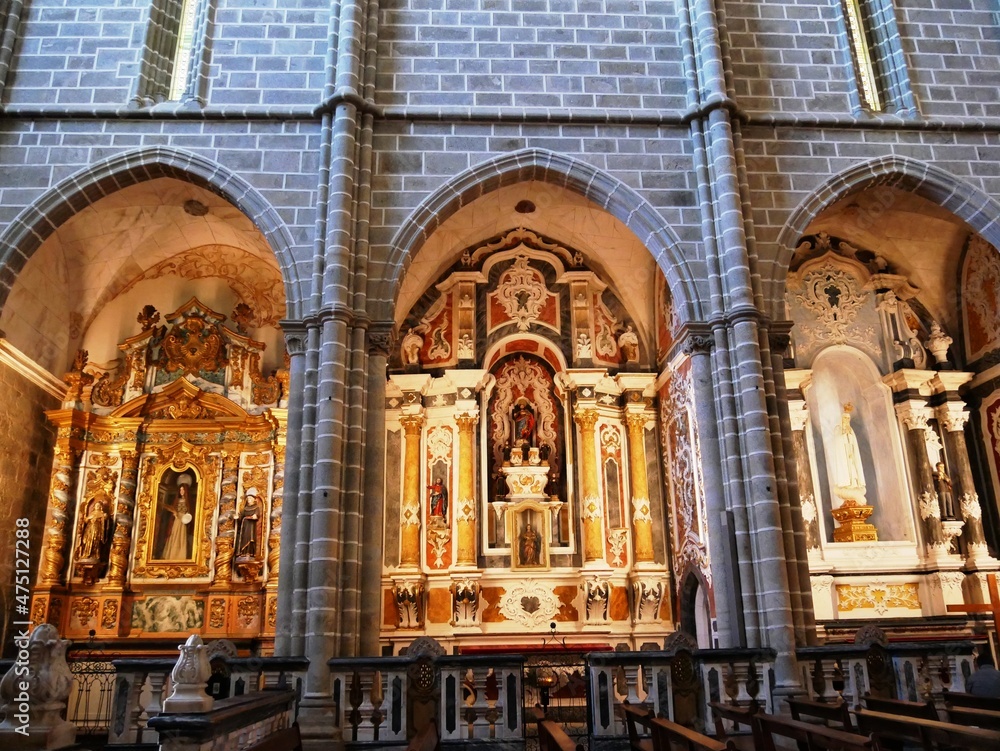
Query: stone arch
[
  {"x": 975, "y": 208},
  {"x": 29, "y": 229},
  {"x": 595, "y": 185}
]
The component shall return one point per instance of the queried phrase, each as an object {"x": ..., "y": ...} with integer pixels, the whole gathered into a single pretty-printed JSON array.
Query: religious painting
[
  {"x": 529, "y": 538},
  {"x": 176, "y": 511}
]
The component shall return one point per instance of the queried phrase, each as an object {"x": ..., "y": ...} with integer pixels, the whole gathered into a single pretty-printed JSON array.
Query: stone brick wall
[
  {"x": 88, "y": 53},
  {"x": 953, "y": 52},
  {"x": 25, "y": 467},
  {"x": 531, "y": 53}
]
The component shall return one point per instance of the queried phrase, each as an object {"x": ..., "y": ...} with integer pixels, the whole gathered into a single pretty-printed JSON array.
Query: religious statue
[
  {"x": 410, "y": 347},
  {"x": 528, "y": 546},
  {"x": 176, "y": 529},
  {"x": 524, "y": 424},
  {"x": 944, "y": 490},
  {"x": 848, "y": 474},
  {"x": 438, "y": 499},
  {"x": 249, "y": 525},
  {"x": 95, "y": 529},
  {"x": 628, "y": 343}
]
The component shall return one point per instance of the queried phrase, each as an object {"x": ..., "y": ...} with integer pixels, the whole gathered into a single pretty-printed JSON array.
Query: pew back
[
  {"x": 669, "y": 736},
  {"x": 926, "y": 734},
  {"x": 769, "y": 729}
]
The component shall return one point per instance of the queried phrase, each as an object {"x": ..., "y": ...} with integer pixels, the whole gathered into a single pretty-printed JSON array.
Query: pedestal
[{"x": 853, "y": 525}]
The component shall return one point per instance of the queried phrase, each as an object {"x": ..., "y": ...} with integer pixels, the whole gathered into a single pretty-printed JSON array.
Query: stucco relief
[{"x": 981, "y": 295}]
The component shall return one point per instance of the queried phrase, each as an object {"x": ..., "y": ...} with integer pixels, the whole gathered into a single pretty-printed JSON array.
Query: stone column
[
  {"x": 465, "y": 510},
  {"x": 124, "y": 508},
  {"x": 409, "y": 542},
  {"x": 642, "y": 518},
  {"x": 591, "y": 502},
  {"x": 914, "y": 415},
  {"x": 953, "y": 417}
]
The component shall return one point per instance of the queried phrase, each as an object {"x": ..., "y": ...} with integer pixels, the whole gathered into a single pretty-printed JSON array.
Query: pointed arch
[
  {"x": 30, "y": 228},
  {"x": 597, "y": 186},
  {"x": 975, "y": 208}
]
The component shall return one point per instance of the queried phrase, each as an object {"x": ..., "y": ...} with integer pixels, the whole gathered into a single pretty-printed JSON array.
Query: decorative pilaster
[
  {"x": 952, "y": 416},
  {"x": 124, "y": 507},
  {"x": 798, "y": 415},
  {"x": 915, "y": 416},
  {"x": 465, "y": 511},
  {"x": 227, "y": 520},
  {"x": 642, "y": 518},
  {"x": 53, "y": 564},
  {"x": 274, "y": 536},
  {"x": 409, "y": 544},
  {"x": 592, "y": 505}
]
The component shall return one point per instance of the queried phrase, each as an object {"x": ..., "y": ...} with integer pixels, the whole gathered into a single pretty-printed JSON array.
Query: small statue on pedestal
[
  {"x": 524, "y": 424},
  {"x": 945, "y": 493}
]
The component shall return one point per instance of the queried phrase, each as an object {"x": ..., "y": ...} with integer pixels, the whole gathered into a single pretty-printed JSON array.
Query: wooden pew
[
  {"x": 738, "y": 716},
  {"x": 958, "y": 699},
  {"x": 551, "y": 737},
  {"x": 636, "y": 717},
  {"x": 836, "y": 712},
  {"x": 669, "y": 736},
  {"x": 920, "y": 709},
  {"x": 289, "y": 739},
  {"x": 976, "y": 718},
  {"x": 426, "y": 739},
  {"x": 767, "y": 728},
  {"x": 929, "y": 735}
]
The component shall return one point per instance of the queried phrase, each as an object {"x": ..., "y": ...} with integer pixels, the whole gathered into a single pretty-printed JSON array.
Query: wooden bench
[
  {"x": 551, "y": 736},
  {"x": 829, "y": 712},
  {"x": 737, "y": 715},
  {"x": 977, "y": 718},
  {"x": 766, "y": 728},
  {"x": 669, "y": 736},
  {"x": 958, "y": 699},
  {"x": 426, "y": 739},
  {"x": 289, "y": 739},
  {"x": 919, "y": 709},
  {"x": 636, "y": 716},
  {"x": 929, "y": 735}
]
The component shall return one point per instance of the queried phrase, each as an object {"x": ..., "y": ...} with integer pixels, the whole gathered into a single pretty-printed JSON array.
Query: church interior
[{"x": 331, "y": 331}]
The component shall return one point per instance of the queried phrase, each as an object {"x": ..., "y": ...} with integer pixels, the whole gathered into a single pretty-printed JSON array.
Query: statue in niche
[
  {"x": 527, "y": 546},
  {"x": 410, "y": 347},
  {"x": 628, "y": 343},
  {"x": 247, "y": 540},
  {"x": 523, "y": 418},
  {"x": 438, "y": 499},
  {"x": 177, "y": 494},
  {"x": 946, "y": 497},
  {"x": 848, "y": 474},
  {"x": 95, "y": 529}
]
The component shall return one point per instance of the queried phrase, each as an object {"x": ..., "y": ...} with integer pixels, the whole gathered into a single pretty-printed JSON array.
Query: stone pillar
[
  {"x": 915, "y": 415},
  {"x": 953, "y": 416},
  {"x": 295, "y": 347},
  {"x": 409, "y": 541},
  {"x": 124, "y": 508},
  {"x": 591, "y": 502},
  {"x": 465, "y": 509},
  {"x": 642, "y": 518}
]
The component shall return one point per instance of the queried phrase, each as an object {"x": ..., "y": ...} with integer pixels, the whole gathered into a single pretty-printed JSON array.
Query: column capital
[
  {"x": 585, "y": 418},
  {"x": 914, "y": 414},
  {"x": 381, "y": 339},
  {"x": 953, "y": 416},
  {"x": 412, "y": 423},
  {"x": 467, "y": 419}
]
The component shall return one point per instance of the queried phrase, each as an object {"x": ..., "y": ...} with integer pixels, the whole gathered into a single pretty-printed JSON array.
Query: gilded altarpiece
[
  {"x": 165, "y": 504},
  {"x": 518, "y": 492}
]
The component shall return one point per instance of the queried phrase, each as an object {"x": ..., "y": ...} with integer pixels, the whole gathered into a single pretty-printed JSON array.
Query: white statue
[
  {"x": 628, "y": 343},
  {"x": 847, "y": 473}
]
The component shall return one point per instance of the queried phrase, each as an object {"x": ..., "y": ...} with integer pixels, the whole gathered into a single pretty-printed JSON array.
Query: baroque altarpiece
[
  {"x": 164, "y": 511},
  {"x": 539, "y": 434}
]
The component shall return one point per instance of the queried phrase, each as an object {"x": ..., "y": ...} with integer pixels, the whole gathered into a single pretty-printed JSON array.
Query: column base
[{"x": 318, "y": 724}]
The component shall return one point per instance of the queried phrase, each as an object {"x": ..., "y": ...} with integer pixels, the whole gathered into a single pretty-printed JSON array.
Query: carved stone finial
[
  {"x": 243, "y": 317},
  {"x": 148, "y": 317},
  {"x": 938, "y": 343},
  {"x": 33, "y": 703},
  {"x": 189, "y": 676}
]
